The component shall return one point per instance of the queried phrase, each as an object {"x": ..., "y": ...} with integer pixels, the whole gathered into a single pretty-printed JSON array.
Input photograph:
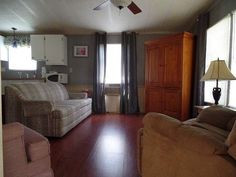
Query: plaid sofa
[{"x": 45, "y": 107}]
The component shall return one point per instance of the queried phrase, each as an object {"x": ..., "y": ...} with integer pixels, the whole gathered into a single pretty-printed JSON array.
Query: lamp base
[{"x": 216, "y": 94}]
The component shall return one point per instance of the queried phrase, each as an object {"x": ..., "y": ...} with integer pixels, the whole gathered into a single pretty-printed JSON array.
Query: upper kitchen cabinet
[{"x": 49, "y": 48}]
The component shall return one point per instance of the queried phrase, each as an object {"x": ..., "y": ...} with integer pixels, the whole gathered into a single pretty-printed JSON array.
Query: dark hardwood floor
[{"x": 100, "y": 146}]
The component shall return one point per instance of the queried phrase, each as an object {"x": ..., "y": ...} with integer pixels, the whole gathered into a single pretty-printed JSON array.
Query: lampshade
[{"x": 218, "y": 71}]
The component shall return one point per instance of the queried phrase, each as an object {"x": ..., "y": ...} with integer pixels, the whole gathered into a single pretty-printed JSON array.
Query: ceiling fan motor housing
[{"x": 121, "y": 3}]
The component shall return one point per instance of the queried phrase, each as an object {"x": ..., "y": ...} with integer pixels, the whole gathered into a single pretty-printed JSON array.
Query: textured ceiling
[{"x": 78, "y": 16}]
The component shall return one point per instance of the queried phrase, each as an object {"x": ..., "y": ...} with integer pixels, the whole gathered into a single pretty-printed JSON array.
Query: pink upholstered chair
[{"x": 26, "y": 153}]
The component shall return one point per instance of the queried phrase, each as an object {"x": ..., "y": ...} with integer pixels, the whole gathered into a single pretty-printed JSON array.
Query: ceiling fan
[{"x": 120, "y": 4}]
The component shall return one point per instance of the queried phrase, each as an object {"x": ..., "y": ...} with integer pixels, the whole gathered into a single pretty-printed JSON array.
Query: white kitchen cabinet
[
  {"x": 37, "y": 47},
  {"x": 49, "y": 48}
]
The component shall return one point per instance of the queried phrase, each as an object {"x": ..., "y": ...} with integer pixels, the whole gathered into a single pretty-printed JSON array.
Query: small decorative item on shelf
[{"x": 217, "y": 71}]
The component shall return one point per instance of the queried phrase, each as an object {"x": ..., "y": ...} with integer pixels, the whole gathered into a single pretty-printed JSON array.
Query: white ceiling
[{"x": 78, "y": 16}]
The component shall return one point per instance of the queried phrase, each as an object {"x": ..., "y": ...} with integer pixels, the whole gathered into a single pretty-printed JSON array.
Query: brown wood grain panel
[
  {"x": 173, "y": 66},
  {"x": 172, "y": 102},
  {"x": 187, "y": 78},
  {"x": 154, "y": 100},
  {"x": 175, "y": 54},
  {"x": 155, "y": 66}
]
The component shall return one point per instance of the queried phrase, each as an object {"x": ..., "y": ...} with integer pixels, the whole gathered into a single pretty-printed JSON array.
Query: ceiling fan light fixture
[
  {"x": 14, "y": 42},
  {"x": 121, "y": 3}
]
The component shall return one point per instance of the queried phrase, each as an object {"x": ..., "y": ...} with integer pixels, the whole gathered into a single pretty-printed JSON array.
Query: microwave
[{"x": 57, "y": 77}]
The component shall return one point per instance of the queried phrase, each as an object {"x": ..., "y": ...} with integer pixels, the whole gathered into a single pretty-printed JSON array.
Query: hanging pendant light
[{"x": 14, "y": 42}]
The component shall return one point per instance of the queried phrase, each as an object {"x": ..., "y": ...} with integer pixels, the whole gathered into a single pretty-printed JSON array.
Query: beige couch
[
  {"x": 201, "y": 147},
  {"x": 45, "y": 107},
  {"x": 25, "y": 152}
]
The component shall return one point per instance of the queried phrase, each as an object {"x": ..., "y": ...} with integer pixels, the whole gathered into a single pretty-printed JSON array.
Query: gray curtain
[
  {"x": 199, "y": 69},
  {"x": 99, "y": 73},
  {"x": 129, "y": 90}
]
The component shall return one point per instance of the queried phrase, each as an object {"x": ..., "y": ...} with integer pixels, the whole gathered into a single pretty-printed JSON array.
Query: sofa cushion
[
  {"x": 231, "y": 139},
  {"x": 194, "y": 138},
  {"x": 34, "y": 90},
  {"x": 217, "y": 116},
  {"x": 57, "y": 91},
  {"x": 212, "y": 129},
  {"x": 67, "y": 107}
]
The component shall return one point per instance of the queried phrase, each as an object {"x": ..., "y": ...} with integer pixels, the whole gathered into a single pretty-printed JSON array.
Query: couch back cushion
[
  {"x": 34, "y": 90},
  {"x": 57, "y": 91},
  {"x": 217, "y": 116}
]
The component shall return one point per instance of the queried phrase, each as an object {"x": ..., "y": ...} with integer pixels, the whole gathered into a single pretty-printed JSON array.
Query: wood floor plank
[{"x": 100, "y": 146}]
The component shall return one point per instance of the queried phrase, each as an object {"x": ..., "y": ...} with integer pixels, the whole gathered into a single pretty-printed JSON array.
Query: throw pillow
[
  {"x": 231, "y": 139},
  {"x": 217, "y": 116}
]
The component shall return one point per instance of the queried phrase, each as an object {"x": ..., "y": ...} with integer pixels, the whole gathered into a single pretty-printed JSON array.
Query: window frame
[{"x": 232, "y": 40}]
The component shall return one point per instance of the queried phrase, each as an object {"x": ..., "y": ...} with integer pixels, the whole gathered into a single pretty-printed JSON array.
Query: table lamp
[{"x": 217, "y": 71}]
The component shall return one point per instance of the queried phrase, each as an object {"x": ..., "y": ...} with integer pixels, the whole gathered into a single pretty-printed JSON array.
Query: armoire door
[
  {"x": 172, "y": 102},
  {"x": 173, "y": 65},
  {"x": 154, "y": 66},
  {"x": 153, "y": 100}
]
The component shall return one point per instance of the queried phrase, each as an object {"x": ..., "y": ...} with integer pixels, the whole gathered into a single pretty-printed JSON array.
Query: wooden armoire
[{"x": 168, "y": 75}]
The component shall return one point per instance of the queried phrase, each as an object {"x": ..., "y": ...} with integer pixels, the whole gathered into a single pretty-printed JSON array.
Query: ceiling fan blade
[
  {"x": 102, "y": 5},
  {"x": 134, "y": 8}
]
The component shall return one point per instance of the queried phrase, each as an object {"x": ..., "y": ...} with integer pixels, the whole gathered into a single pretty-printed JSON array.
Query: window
[
  {"x": 219, "y": 40},
  {"x": 3, "y": 50},
  {"x": 113, "y": 65},
  {"x": 232, "y": 93},
  {"x": 20, "y": 58}
]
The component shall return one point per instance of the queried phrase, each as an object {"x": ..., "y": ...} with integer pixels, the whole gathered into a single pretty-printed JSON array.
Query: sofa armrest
[
  {"x": 199, "y": 140},
  {"x": 36, "y": 108},
  {"x": 37, "y": 146},
  {"x": 162, "y": 124},
  {"x": 12, "y": 131},
  {"x": 78, "y": 95}
]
